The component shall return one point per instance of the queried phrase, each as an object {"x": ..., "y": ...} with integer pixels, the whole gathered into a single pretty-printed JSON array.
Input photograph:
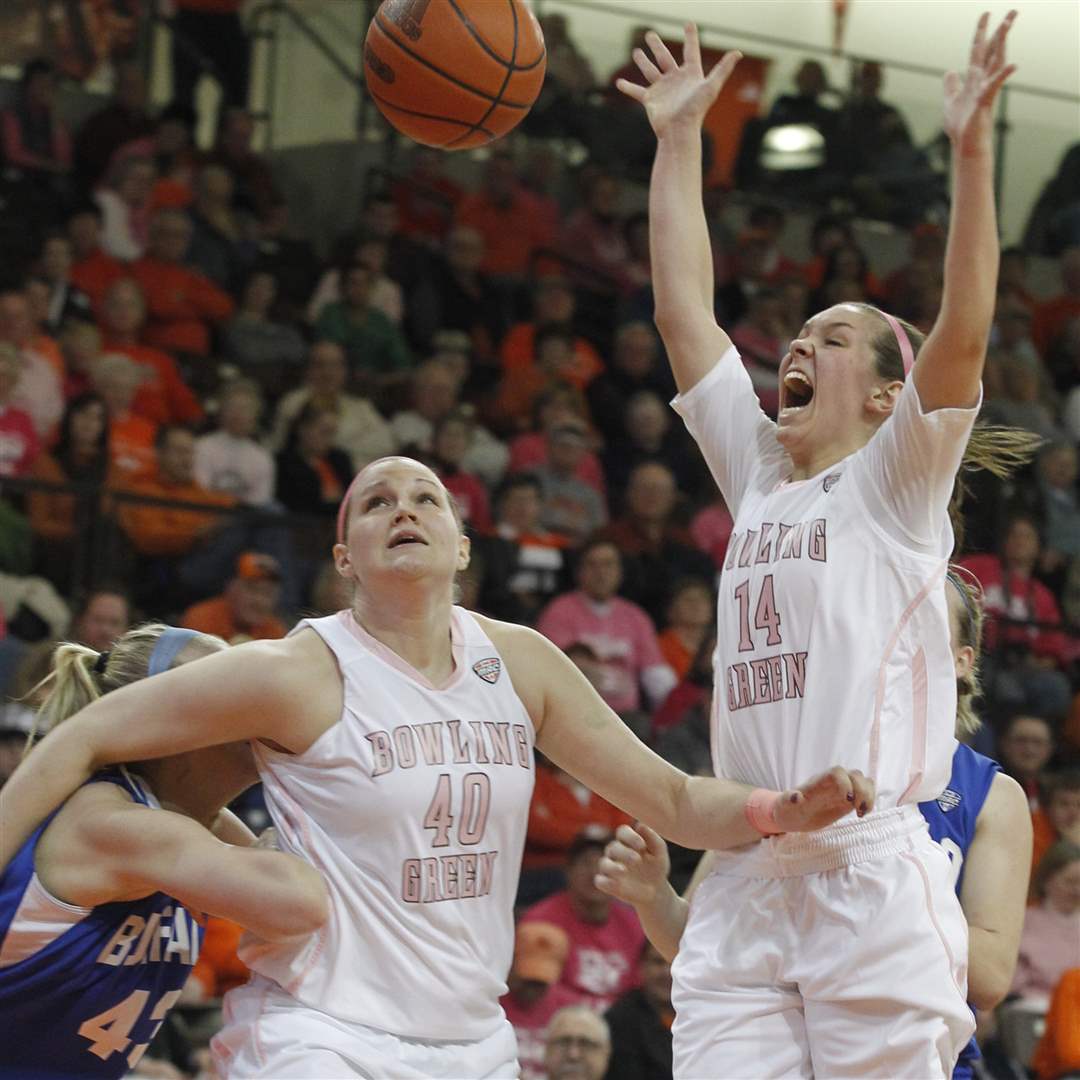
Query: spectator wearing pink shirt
[
  {"x": 558, "y": 405},
  {"x": 1050, "y": 942},
  {"x": 605, "y": 936},
  {"x": 620, "y": 633}
]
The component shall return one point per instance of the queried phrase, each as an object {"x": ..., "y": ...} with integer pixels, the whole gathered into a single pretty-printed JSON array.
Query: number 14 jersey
[
  {"x": 414, "y": 808},
  {"x": 832, "y": 625}
]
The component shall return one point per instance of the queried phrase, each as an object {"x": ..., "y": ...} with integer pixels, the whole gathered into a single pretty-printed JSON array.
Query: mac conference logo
[{"x": 488, "y": 669}]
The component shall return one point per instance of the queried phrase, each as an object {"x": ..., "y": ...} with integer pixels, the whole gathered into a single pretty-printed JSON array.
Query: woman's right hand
[
  {"x": 678, "y": 95},
  {"x": 635, "y": 865}
]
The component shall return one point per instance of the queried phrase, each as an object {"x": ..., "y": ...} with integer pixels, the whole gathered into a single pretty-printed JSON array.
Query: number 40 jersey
[{"x": 84, "y": 990}]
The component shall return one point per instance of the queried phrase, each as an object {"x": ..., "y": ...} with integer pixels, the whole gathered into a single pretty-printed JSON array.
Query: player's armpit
[
  {"x": 273, "y": 894},
  {"x": 994, "y": 892}
]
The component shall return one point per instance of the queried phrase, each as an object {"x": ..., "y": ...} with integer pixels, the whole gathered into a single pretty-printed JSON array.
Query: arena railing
[{"x": 100, "y": 550}]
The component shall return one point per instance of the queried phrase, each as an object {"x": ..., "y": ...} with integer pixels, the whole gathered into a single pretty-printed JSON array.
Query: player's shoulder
[
  {"x": 514, "y": 641},
  {"x": 1006, "y": 802}
]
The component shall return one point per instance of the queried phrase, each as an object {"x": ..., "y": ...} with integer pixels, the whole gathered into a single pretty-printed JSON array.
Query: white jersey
[
  {"x": 832, "y": 628},
  {"x": 414, "y": 808}
]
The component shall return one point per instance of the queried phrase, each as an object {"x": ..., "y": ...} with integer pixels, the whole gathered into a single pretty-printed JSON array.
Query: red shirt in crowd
[
  {"x": 1021, "y": 599},
  {"x": 511, "y": 233},
  {"x": 18, "y": 442},
  {"x": 95, "y": 275},
  {"x": 603, "y": 960}
]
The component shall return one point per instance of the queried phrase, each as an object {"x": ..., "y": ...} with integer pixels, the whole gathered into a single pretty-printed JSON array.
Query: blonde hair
[
  {"x": 997, "y": 449},
  {"x": 80, "y": 675},
  {"x": 970, "y": 623}
]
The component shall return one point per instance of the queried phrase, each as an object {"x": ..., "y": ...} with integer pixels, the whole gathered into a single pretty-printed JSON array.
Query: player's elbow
[
  {"x": 989, "y": 976},
  {"x": 303, "y": 903}
]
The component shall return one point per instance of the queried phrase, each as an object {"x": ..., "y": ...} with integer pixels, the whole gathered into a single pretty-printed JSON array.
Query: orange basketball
[{"x": 454, "y": 73}]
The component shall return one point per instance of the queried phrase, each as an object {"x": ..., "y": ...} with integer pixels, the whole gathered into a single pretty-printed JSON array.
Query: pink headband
[
  {"x": 343, "y": 508},
  {"x": 907, "y": 353}
]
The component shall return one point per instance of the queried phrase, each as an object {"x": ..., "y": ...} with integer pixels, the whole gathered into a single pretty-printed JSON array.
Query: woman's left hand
[{"x": 969, "y": 97}]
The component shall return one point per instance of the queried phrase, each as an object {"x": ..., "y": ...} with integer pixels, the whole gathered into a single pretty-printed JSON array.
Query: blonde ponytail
[
  {"x": 999, "y": 450},
  {"x": 80, "y": 676}
]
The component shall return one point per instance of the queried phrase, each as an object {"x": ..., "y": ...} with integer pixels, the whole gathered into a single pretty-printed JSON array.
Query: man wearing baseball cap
[
  {"x": 535, "y": 995},
  {"x": 245, "y": 611},
  {"x": 605, "y": 935}
]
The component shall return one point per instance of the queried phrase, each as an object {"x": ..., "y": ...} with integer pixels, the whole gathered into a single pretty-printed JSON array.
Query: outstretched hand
[
  {"x": 825, "y": 799},
  {"x": 677, "y": 94},
  {"x": 970, "y": 96}
]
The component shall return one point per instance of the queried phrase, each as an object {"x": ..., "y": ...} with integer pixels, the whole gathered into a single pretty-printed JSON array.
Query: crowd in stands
[{"x": 187, "y": 388}]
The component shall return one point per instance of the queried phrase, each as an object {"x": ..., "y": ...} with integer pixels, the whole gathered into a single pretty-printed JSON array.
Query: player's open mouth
[
  {"x": 407, "y": 538},
  {"x": 796, "y": 392}
]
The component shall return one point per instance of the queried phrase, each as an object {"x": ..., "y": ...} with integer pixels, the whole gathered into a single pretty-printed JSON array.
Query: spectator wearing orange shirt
[
  {"x": 553, "y": 364},
  {"x": 1024, "y": 748},
  {"x": 182, "y": 304},
  {"x": 561, "y": 808},
  {"x": 553, "y": 301},
  {"x": 1058, "y": 818},
  {"x": 502, "y": 213},
  {"x": 163, "y": 396},
  {"x": 117, "y": 379},
  {"x": 1058, "y": 1053},
  {"x": 93, "y": 269},
  {"x": 691, "y": 613},
  {"x": 245, "y": 611},
  {"x": 167, "y": 530}
]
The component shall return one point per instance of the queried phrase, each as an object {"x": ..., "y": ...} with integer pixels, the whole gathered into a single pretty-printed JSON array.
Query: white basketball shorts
[
  {"x": 833, "y": 954},
  {"x": 269, "y": 1034}
]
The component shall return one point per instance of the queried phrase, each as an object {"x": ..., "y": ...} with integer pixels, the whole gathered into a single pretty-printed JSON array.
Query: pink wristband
[{"x": 760, "y": 810}]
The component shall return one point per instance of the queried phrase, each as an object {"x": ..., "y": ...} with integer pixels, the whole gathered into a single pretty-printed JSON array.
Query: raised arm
[
  {"x": 950, "y": 364},
  {"x": 676, "y": 100},
  {"x": 579, "y": 733},
  {"x": 994, "y": 892},
  {"x": 279, "y": 690}
]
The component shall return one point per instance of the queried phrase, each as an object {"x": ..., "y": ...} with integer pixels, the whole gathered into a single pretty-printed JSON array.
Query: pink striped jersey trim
[
  {"x": 879, "y": 693},
  {"x": 919, "y": 696},
  {"x": 388, "y": 656},
  {"x": 299, "y": 823},
  {"x": 932, "y": 912}
]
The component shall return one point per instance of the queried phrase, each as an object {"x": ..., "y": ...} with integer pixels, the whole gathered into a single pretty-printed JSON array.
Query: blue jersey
[
  {"x": 951, "y": 819},
  {"x": 83, "y": 990}
]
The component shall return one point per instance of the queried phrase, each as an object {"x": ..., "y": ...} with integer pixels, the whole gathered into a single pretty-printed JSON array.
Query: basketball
[{"x": 455, "y": 74}]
